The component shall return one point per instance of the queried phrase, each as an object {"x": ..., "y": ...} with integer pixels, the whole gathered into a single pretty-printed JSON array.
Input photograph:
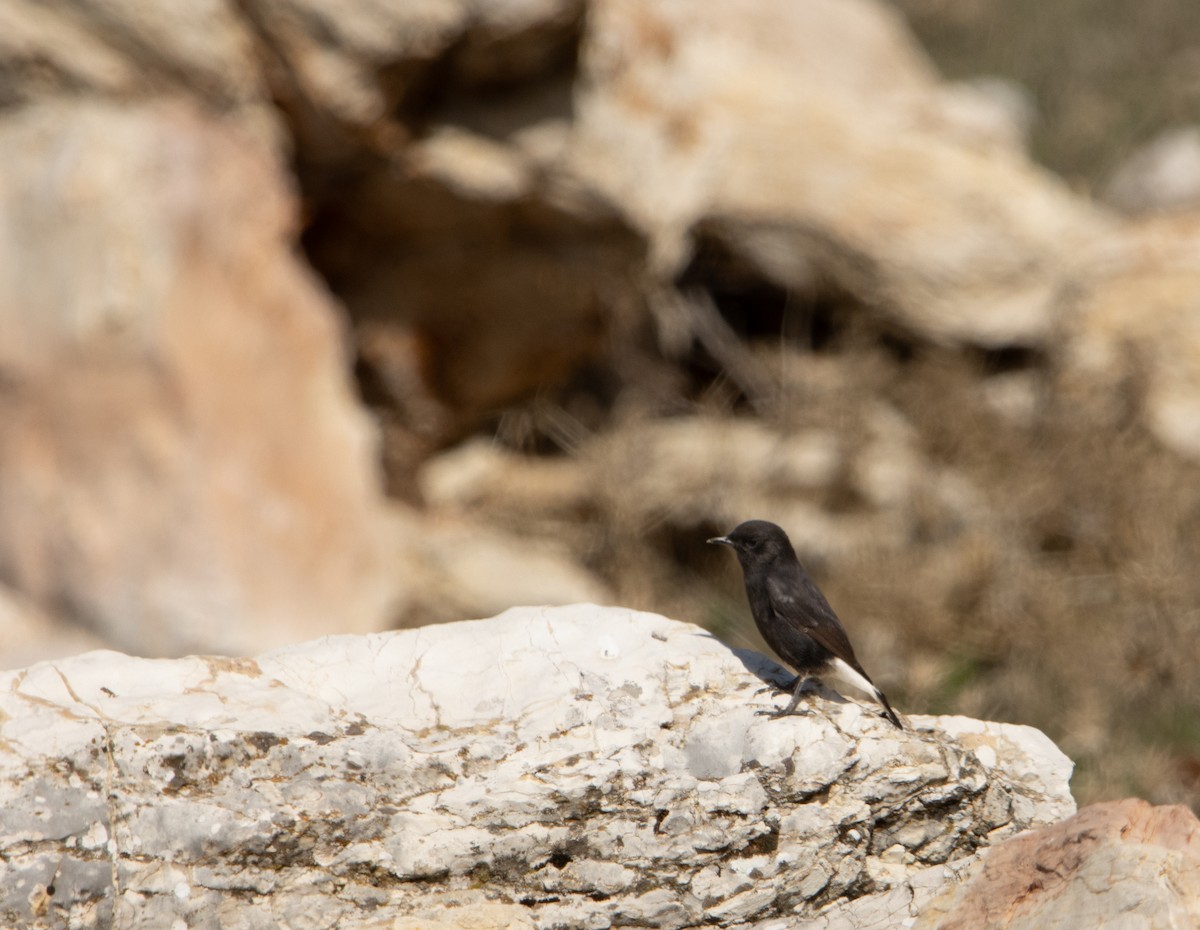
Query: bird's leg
[
  {"x": 799, "y": 686},
  {"x": 778, "y": 687}
]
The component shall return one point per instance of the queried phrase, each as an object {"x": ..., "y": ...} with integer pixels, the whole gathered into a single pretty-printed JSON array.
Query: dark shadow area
[
  {"x": 757, "y": 309},
  {"x": 777, "y": 676},
  {"x": 1004, "y": 360}
]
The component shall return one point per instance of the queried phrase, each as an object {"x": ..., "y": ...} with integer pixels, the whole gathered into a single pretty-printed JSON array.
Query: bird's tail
[
  {"x": 887, "y": 710},
  {"x": 856, "y": 676}
]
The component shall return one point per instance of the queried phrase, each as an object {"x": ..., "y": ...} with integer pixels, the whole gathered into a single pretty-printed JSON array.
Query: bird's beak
[{"x": 720, "y": 541}]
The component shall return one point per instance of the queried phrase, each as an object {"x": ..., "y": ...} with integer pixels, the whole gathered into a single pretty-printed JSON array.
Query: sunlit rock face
[{"x": 574, "y": 766}]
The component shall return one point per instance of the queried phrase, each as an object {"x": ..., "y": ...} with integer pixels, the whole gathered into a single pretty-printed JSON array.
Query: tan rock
[
  {"x": 478, "y": 475},
  {"x": 457, "y": 568},
  {"x": 1164, "y": 174},
  {"x": 476, "y": 269},
  {"x": 1116, "y": 864},
  {"x": 356, "y": 62},
  {"x": 507, "y": 279},
  {"x": 183, "y": 465},
  {"x": 332, "y": 59},
  {"x": 45, "y": 50},
  {"x": 126, "y": 48},
  {"x": 1131, "y": 331},
  {"x": 813, "y": 142}
]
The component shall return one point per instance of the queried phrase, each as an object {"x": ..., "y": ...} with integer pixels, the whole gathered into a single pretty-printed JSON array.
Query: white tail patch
[{"x": 843, "y": 670}]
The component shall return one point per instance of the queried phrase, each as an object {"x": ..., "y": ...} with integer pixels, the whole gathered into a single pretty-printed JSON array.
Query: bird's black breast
[{"x": 784, "y": 634}]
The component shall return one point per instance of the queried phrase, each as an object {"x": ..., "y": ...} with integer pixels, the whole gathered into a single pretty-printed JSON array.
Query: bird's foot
[
  {"x": 798, "y": 686},
  {"x": 778, "y": 688}
]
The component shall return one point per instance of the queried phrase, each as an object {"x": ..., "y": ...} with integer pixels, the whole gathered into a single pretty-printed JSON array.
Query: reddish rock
[{"x": 1117, "y": 864}]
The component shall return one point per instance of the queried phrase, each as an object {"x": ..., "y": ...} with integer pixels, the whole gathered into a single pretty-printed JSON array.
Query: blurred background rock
[{"x": 320, "y": 317}]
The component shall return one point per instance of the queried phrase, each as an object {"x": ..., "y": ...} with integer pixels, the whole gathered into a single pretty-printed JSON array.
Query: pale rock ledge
[{"x": 578, "y": 767}]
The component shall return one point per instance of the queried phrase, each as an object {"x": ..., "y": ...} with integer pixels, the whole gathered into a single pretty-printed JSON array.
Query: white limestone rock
[{"x": 576, "y": 766}]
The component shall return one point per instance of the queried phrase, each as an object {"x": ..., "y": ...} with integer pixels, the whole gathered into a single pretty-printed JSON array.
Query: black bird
[{"x": 792, "y": 614}]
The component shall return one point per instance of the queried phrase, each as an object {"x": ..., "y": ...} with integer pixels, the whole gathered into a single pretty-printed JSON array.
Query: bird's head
[{"x": 757, "y": 542}]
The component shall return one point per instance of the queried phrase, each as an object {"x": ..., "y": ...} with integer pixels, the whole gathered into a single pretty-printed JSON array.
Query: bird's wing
[{"x": 799, "y": 602}]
